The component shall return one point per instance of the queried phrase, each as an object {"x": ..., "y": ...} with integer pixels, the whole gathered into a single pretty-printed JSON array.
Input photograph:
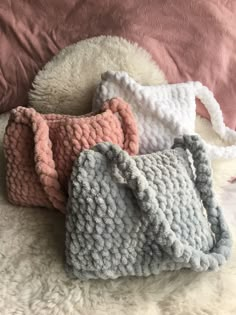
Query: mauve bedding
[{"x": 190, "y": 40}]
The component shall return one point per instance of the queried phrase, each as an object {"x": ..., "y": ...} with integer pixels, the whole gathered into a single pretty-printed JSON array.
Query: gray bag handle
[{"x": 143, "y": 192}]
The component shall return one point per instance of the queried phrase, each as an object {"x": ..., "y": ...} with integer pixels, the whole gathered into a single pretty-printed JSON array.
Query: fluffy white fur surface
[
  {"x": 33, "y": 280},
  {"x": 67, "y": 83}
]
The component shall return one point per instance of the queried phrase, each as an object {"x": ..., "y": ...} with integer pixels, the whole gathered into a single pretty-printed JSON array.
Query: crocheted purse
[
  {"x": 40, "y": 149},
  {"x": 166, "y": 111},
  {"x": 144, "y": 214}
]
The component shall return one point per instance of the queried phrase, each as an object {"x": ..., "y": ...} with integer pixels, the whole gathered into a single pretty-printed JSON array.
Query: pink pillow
[
  {"x": 190, "y": 40},
  {"x": 40, "y": 149}
]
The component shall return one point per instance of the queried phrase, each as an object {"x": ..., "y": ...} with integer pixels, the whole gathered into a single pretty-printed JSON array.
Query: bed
[{"x": 33, "y": 280}]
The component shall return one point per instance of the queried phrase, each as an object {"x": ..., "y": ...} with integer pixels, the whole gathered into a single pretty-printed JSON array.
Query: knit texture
[
  {"x": 40, "y": 149},
  {"x": 166, "y": 111},
  {"x": 144, "y": 214}
]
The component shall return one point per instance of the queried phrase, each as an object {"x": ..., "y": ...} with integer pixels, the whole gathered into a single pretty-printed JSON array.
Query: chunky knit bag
[
  {"x": 166, "y": 111},
  {"x": 144, "y": 214},
  {"x": 40, "y": 149}
]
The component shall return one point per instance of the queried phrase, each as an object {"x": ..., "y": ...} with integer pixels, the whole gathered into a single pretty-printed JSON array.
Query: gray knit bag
[{"x": 137, "y": 216}]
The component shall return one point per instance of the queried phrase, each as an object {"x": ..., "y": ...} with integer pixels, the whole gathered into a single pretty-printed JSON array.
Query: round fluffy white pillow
[{"x": 67, "y": 83}]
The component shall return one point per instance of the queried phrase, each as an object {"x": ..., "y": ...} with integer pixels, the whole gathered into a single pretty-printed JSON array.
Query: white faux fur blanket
[{"x": 33, "y": 280}]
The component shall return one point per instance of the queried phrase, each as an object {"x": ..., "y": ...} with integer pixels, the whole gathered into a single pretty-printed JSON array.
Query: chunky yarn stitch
[
  {"x": 137, "y": 216},
  {"x": 40, "y": 149},
  {"x": 166, "y": 111}
]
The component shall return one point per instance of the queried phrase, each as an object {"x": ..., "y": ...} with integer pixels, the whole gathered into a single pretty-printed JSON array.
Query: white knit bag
[{"x": 166, "y": 111}]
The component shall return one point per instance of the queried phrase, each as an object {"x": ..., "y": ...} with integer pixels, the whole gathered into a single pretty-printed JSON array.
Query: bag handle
[
  {"x": 146, "y": 197},
  {"x": 129, "y": 126},
  {"x": 43, "y": 158},
  {"x": 225, "y": 133}
]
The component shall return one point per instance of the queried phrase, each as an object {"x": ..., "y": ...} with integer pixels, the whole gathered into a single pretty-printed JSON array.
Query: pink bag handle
[
  {"x": 43, "y": 157},
  {"x": 129, "y": 126}
]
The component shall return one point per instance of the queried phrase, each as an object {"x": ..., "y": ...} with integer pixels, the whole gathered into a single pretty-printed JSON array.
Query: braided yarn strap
[
  {"x": 213, "y": 107},
  {"x": 46, "y": 170},
  {"x": 116, "y": 105},
  {"x": 204, "y": 185}
]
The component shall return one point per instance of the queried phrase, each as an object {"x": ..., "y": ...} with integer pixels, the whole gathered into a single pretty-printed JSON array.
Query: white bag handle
[{"x": 228, "y": 135}]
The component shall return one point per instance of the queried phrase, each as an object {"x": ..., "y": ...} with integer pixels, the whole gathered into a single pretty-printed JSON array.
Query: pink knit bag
[{"x": 40, "y": 149}]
